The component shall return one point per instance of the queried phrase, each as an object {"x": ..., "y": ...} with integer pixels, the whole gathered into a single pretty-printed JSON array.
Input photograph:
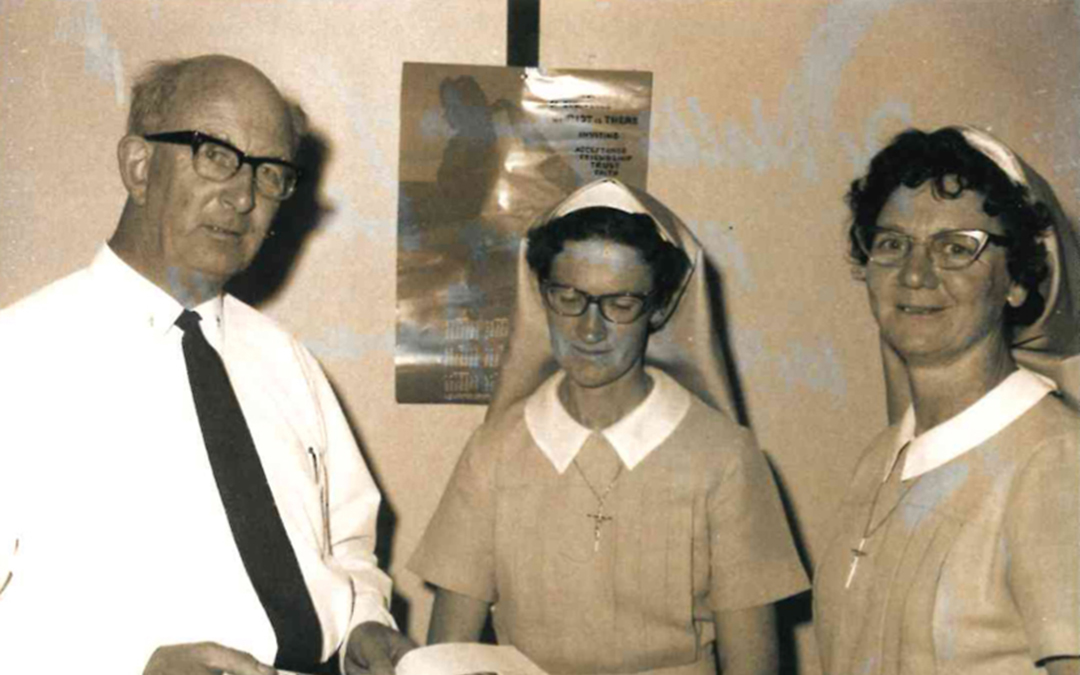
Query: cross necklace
[
  {"x": 599, "y": 518},
  {"x": 859, "y": 553}
]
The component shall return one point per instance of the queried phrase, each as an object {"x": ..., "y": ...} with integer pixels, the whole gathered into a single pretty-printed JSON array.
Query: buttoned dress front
[
  {"x": 971, "y": 563},
  {"x": 696, "y": 527}
]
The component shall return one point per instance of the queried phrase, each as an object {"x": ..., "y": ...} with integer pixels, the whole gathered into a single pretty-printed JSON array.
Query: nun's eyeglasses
[
  {"x": 949, "y": 250},
  {"x": 614, "y": 307}
]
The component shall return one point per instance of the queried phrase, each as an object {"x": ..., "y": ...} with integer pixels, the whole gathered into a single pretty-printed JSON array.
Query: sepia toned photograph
[{"x": 659, "y": 337}]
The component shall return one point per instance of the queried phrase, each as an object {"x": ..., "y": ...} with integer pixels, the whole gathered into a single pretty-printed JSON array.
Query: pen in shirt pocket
[{"x": 319, "y": 467}]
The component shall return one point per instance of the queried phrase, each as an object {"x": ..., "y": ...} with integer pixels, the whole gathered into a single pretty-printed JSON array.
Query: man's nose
[
  {"x": 239, "y": 191},
  {"x": 592, "y": 327}
]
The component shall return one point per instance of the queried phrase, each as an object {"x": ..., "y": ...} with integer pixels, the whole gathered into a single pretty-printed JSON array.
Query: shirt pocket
[{"x": 297, "y": 473}]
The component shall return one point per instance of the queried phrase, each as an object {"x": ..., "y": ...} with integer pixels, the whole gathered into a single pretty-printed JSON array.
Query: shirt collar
[
  {"x": 134, "y": 296},
  {"x": 560, "y": 437},
  {"x": 997, "y": 409}
]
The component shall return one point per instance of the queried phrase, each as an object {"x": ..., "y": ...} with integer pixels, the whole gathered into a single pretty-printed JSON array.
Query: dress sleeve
[
  {"x": 752, "y": 555},
  {"x": 457, "y": 551},
  {"x": 1042, "y": 536}
]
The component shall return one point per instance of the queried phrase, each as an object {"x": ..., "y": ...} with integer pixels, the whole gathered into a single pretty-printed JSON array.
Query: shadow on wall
[
  {"x": 716, "y": 298},
  {"x": 798, "y": 609},
  {"x": 298, "y": 217}
]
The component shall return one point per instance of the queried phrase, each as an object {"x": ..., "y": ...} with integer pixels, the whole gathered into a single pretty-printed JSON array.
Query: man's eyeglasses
[
  {"x": 218, "y": 160},
  {"x": 949, "y": 250},
  {"x": 614, "y": 307}
]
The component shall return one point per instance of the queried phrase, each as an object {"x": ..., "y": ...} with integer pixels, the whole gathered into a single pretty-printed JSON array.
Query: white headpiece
[{"x": 688, "y": 347}]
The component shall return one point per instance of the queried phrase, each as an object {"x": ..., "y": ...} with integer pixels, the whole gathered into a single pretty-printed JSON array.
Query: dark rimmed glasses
[
  {"x": 949, "y": 250},
  {"x": 614, "y": 307},
  {"x": 218, "y": 160}
]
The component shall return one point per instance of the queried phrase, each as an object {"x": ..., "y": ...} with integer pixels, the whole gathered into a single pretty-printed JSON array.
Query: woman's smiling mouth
[{"x": 917, "y": 310}]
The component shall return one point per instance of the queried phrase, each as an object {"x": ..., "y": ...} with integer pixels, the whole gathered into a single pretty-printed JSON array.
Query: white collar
[
  {"x": 560, "y": 437},
  {"x": 997, "y": 409},
  {"x": 139, "y": 299}
]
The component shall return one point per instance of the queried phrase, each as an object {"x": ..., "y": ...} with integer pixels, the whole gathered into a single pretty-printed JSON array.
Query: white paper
[{"x": 466, "y": 659}]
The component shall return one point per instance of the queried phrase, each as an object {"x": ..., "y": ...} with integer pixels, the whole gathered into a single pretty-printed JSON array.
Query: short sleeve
[
  {"x": 753, "y": 560},
  {"x": 1042, "y": 530},
  {"x": 457, "y": 551}
]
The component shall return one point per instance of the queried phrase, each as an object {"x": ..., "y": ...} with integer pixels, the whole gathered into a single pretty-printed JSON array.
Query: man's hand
[
  {"x": 376, "y": 648},
  {"x": 203, "y": 658}
]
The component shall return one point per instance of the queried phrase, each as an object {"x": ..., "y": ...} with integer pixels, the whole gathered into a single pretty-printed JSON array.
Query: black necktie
[{"x": 249, "y": 504}]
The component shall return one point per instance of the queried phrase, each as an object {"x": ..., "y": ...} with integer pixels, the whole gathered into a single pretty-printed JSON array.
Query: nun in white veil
[
  {"x": 957, "y": 546},
  {"x": 609, "y": 511}
]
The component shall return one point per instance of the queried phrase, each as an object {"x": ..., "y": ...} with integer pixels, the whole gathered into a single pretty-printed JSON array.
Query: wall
[{"x": 763, "y": 112}]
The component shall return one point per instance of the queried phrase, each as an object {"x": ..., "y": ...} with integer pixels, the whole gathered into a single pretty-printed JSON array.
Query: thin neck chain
[
  {"x": 867, "y": 531},
  {"x": 859, "y": 552},
  {"x": 600, "y": 496}
]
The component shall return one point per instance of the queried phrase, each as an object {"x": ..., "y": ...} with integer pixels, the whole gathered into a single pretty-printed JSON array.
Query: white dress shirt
[{"x": 112, "y": 533}]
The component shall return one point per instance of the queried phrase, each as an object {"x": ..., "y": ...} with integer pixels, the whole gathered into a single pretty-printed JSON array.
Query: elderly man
[{"x": 179, "y": 489}]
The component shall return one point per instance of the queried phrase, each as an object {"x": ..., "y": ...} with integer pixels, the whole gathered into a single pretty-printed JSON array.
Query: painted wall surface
[{"x": 763, "y": 112}]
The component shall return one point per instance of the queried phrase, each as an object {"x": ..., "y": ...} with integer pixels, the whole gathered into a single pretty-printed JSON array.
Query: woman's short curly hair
[
  {"x": 952, "y": 166},
  {"x": 669, "y": 263}
]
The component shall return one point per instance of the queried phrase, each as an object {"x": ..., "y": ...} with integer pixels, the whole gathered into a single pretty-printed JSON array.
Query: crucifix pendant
[
  {"x": 598, "y": 519},
  {"x": 856, "y": 555}
]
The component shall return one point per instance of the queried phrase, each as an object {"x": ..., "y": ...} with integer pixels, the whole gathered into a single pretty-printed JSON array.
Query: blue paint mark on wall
[
  {"x": 370, "y": 123},
  {"x": 727, "y": 251},
  {"x": 101, "y": 56},
  {"x": 340, "y": 342},
  {"x": 861, "y": 151},
  {"x": 347, "y": 223},
  {"x": 685, "y": 136},
  {"x": 812, "y": 365}
]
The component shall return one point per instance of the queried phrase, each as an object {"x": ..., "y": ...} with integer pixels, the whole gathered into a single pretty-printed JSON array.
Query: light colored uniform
[
  {"x": 697, "y": 527},
  {"x": 972, "y": 563}
]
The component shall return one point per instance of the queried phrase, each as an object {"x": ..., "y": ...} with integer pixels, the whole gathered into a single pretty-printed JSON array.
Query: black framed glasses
[
  {"x": 218, "y": 160},
  {"x": 949, "y": 249},
  {"x": 614, "y": 307}
]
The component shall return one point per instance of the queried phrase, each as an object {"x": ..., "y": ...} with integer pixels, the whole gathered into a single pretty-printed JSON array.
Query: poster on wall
[{"x": 486, "y": 150}]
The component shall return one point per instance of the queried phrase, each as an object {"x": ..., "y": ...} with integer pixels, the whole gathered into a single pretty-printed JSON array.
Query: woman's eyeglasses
[
  {"x": 614, "y": 307},
  {"x": 948, "y": 250}
]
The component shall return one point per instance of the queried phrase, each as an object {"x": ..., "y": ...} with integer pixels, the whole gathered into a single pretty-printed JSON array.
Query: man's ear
[{"x": 133, "y": 154}]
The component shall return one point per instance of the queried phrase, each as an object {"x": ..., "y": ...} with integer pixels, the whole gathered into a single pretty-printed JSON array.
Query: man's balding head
[{"x": 158, "y": 89}]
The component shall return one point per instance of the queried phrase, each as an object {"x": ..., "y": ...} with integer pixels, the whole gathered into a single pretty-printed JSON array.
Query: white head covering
[
  {"x": 687, "y": 348},
  {"x": 1051, "y": 345}
]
